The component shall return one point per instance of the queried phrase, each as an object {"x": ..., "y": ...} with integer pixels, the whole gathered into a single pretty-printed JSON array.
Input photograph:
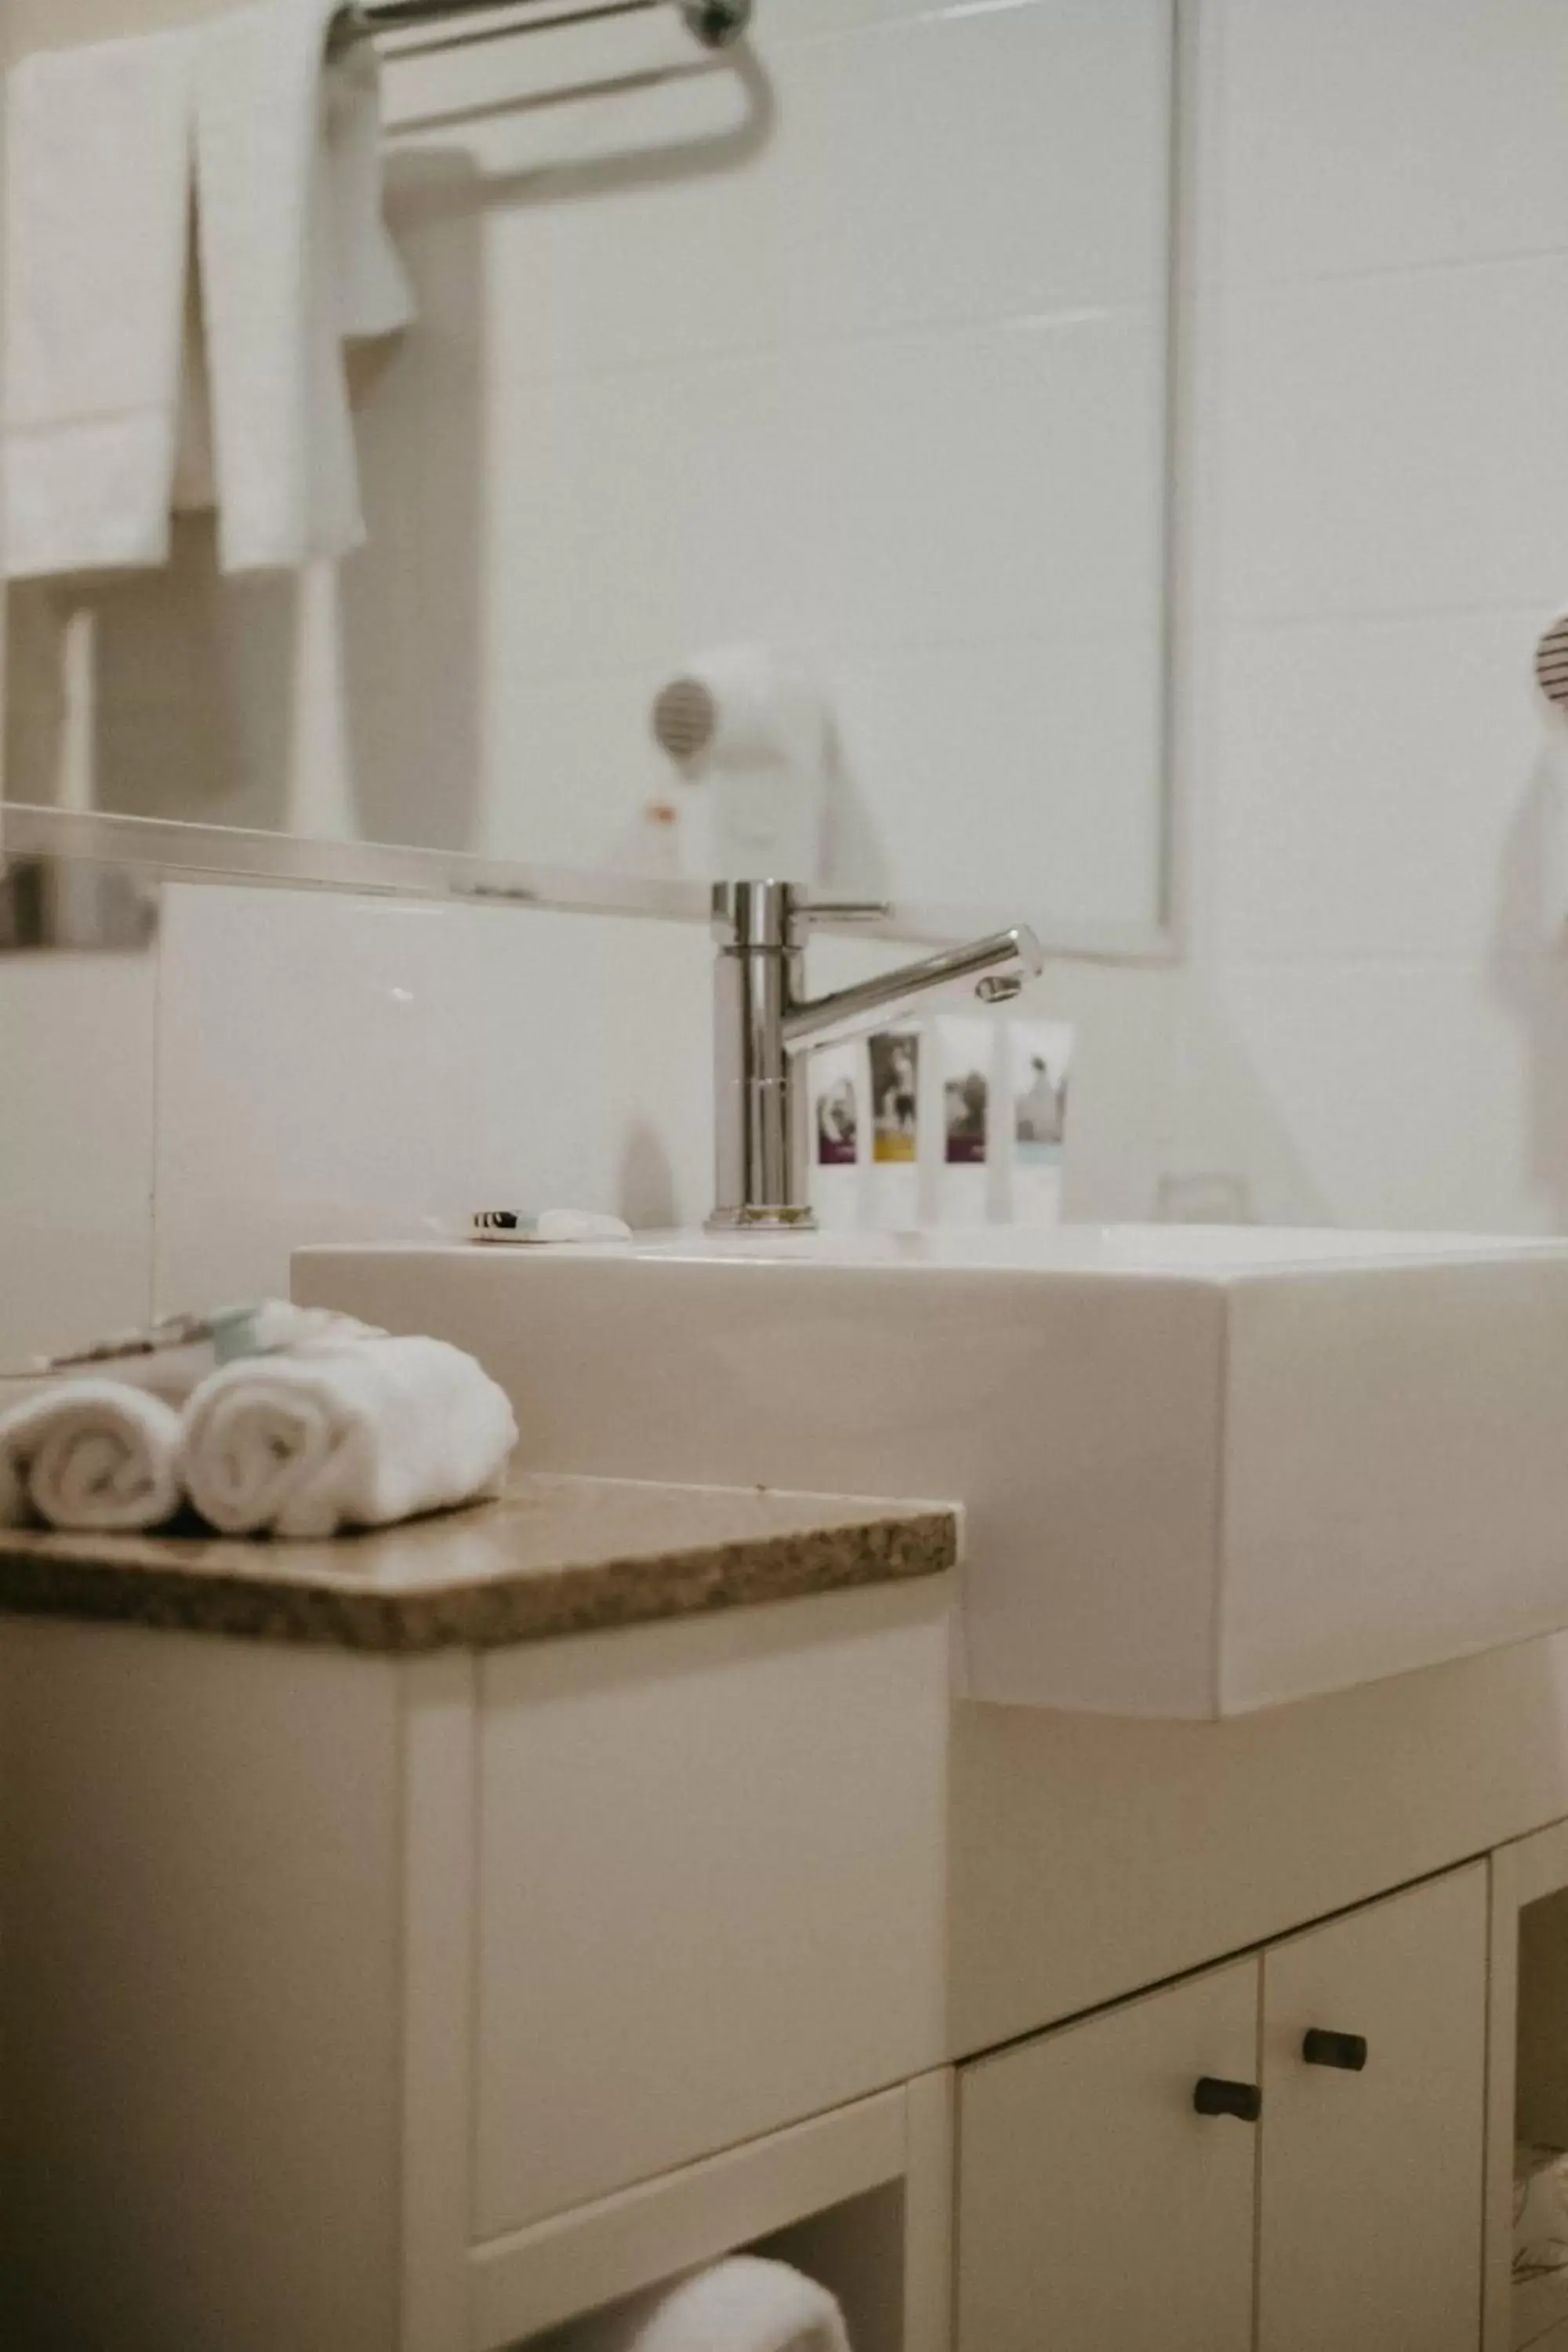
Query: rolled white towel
[
  {"x": 89, "y": 1454},
  {"x": 357, "y": 1435},
  {"x": 745, "y": 2305}
]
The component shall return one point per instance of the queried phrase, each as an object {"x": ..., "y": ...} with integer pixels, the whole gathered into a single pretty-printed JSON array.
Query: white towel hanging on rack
[
  {"x": 296, "y": 262},
  {"x": 107, "y": 146},
  {"x": 97, "y": 221}
]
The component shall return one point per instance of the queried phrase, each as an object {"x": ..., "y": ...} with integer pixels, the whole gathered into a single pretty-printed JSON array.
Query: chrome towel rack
[{"x": 715, "y": 23}]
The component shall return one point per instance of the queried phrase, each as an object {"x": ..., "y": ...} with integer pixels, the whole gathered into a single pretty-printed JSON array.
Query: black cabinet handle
[
  {"x": 1345, "y": 2051},
  {"x": 1214, "y": 2098}
]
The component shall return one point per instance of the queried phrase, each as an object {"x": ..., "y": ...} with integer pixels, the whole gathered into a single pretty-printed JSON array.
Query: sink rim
[{"x": 1121, "y": 1250}]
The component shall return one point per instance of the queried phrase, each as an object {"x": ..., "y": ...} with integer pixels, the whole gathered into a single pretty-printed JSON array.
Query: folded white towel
[
  {"x": 357, "y": 1435},
  {"x": 97, "y": 207},
  {"x": 742, "y": 2305},
  {"x": 124, "y": 396},
  {"x": 89, "y": 1454},
  {"x": 295, "y": 260}
]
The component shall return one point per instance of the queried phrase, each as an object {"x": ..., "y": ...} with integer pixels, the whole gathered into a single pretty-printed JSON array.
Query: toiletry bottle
[
  {"x": 1039, "y": 1064},
  {"x": 840, "y": 1078},
  {"x": 965, "y": 1056},
  {"x": 894, "y": 1060}
]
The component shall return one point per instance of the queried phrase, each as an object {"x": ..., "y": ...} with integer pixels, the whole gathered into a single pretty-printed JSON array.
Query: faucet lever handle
[
  {"x": 772, "y": 916},
  {"x": 845, "y": 911}
]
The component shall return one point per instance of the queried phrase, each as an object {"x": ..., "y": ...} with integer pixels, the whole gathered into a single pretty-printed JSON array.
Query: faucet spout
[
  {"x": 763, "y": 1019},
  {"x": 1002, "y": 964}
]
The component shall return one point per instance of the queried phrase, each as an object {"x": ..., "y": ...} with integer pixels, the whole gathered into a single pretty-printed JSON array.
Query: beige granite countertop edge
[{"x": 44, "y": 1575}]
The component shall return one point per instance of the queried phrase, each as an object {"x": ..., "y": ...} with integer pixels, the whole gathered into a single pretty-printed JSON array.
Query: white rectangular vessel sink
[{"x": 1207, "y": 1470}]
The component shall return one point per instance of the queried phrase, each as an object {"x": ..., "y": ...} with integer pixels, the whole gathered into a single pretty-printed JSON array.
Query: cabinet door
[
  {"x": 1098, "y": 2211},
  {"x": 1370, "y": 2187}
]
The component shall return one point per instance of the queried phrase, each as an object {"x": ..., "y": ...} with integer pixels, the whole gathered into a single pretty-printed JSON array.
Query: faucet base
[{"x": 762, "y": 1221}]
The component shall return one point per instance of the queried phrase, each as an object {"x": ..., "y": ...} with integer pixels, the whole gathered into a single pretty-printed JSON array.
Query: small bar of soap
[{"x": 548, "y": 1226}]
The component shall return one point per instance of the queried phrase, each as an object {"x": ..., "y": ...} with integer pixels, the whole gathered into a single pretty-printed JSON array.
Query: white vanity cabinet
[
  {"x": 1098, "y": 2207},
  {"x": 419, "y": 2004}
]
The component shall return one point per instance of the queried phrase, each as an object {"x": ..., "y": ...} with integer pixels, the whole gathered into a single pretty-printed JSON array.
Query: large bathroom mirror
[{"x": 841, "y": 355}]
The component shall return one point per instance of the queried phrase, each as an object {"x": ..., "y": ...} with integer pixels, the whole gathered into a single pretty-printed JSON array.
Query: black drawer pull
[
  {"x": 1243, "y": 2100},
  {"x": 1346, "y": 2050}
]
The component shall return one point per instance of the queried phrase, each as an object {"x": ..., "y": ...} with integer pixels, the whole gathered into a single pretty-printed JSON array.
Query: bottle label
[
  {"x": 895, "y": 1095},
  {"x": 837, "y": 1122}
]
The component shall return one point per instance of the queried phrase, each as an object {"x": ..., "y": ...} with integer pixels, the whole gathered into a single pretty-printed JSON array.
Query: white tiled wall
[
  {"x": 1372, "y": 1024},
  {"x": 1377, "y": 1013}
]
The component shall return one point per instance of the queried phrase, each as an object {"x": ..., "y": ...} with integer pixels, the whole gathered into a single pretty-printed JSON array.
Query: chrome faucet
[{"x": 764, "y": 1021}]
